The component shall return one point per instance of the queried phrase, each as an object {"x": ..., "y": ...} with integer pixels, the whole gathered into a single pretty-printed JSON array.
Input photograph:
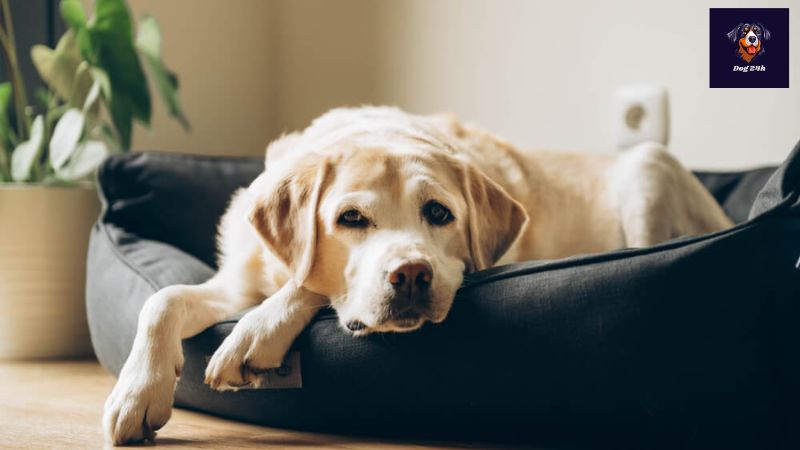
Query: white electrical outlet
[{"x": 640, "y": 113}]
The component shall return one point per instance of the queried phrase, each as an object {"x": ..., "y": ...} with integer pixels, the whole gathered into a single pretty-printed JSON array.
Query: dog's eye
[
  {"x": 437, "y": 214},
  {"x": 353, "y": 219}
]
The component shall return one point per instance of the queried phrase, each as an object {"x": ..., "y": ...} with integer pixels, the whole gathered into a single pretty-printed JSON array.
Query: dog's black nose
[
  {"x": 410, "y": 283},
  {"x": 355, "y": 325},
  {"x": 412, "y": 276},
  {"x": 752, "y": 39}
]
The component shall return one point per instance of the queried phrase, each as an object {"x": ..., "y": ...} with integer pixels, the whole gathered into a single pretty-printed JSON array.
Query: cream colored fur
[{"x": 282, "y": 248}]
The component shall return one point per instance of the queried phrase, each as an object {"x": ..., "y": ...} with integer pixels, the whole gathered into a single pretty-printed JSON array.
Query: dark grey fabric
[
  {"x": 689, "y": 343},
  {"x": 736, "y": 191}
]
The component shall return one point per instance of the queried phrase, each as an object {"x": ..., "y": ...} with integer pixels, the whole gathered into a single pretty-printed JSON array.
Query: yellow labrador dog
[{"x": 379, "y": 213}]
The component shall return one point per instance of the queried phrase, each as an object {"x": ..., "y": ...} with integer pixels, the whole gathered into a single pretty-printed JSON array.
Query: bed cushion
[{"x": 693, "y": 341}]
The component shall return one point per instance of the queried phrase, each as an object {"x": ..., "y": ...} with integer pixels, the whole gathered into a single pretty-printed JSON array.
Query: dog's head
[
  {"x": 749, "y": 38},
  {"x": 380, "y": 215}
]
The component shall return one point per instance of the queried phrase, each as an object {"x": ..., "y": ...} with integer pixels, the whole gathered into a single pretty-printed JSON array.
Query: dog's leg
[
  {"x": 260, "y": 340},
  {"x": 141, "y": 401},
  {"x": 641, "y": 184},
  {"x": 659, "y": 199}
]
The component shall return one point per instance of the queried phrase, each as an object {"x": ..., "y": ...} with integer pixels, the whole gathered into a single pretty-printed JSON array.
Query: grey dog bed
[{"x": 691, "y": 342}]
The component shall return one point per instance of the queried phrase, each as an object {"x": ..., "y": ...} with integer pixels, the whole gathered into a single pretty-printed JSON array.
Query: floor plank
[{"x": 58, "y": 405}]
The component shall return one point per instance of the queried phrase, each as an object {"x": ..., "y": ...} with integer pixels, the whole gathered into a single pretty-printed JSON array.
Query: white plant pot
[{"x": 44, "y": 232}]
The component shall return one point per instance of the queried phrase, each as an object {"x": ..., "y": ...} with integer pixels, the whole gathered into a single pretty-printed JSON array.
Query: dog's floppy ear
[
  {"x": 285, "y": 214},
  {"x": 495, "y": 219},
  {"x": 764, "y": 32},
  {"x": 733, "y": 35}
]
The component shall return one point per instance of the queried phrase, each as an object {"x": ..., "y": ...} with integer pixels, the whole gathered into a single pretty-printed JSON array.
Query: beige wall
[
  {"x": 221, "y": 52},
  {"x": 537, "y": 72}
]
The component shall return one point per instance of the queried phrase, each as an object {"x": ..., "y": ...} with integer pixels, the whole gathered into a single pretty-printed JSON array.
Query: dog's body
[{"x": 379, "y": 213}]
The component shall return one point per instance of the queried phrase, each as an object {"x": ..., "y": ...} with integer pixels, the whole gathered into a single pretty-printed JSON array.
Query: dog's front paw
[
  {"x": 140, "y": 404},
  {"x": 242, "y": 359}
]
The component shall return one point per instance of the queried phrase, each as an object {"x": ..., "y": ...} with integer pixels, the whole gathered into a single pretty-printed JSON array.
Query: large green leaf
[
  {"x": 73, "y": 14},
  {"x": 59, "y": 69},
  {"x": 122, "y": 116},
  {"x": 111, "y": 36},
  {"x": 66, "y": 135},
  {"x": 128, "y": 83},
  {"x": 26, "y": 153},
  {"x": 107, "y": 44},
  {"x": 112, "y": 16},
  {"x": 149, "y": 43},
  {"x": 85, "y": 46}
]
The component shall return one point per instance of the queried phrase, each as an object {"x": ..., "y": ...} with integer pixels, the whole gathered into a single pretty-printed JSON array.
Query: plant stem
[
  {"x": 5, "y": 168},
  {"x": 20, "y": 96}
]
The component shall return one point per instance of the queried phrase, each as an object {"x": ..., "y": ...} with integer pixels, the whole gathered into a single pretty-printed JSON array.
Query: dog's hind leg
[
  {"x": 141, "y": 401},
  {"x": 658, "y": 199}
]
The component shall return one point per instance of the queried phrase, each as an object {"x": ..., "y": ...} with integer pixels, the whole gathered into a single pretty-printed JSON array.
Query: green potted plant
[{"x": 97, "y": 87}]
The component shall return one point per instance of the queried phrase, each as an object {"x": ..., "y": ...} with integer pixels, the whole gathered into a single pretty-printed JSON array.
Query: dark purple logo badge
[{"x": 749, "y": 47}]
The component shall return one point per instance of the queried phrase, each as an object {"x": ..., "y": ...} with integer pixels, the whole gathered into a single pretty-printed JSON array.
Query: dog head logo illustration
[{"x": 749, "y": 38}]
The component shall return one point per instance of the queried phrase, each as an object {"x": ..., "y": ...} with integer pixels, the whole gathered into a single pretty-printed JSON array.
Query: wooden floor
[{"x": 58, "y": 404}]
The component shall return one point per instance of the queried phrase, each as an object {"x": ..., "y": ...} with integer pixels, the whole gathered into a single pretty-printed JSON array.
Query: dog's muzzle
[
  {"x": 750, "y": 43},
  {"x": 411, "y": 282},
  {"x": 408, "y": 300}
]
